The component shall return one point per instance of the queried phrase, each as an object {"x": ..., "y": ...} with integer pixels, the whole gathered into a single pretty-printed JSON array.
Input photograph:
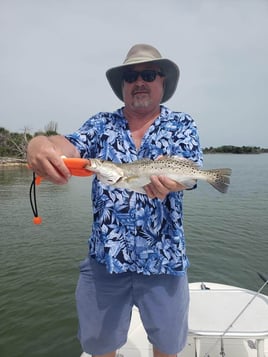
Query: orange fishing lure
[{"x": 76, "y": 167}]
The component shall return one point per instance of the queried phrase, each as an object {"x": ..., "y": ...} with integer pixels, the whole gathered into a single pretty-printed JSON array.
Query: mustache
[{"x": 141, "y": 88}]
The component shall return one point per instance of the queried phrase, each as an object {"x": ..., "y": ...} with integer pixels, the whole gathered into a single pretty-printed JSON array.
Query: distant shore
[{"x": 12, "y": 161}]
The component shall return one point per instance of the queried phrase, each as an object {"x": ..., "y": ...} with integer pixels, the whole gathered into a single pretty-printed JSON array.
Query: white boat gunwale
[{"x": 240, "y": 343}]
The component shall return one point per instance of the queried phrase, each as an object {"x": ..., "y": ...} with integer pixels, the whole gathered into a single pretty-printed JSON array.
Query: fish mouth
[{"x": 91, "y": 165}]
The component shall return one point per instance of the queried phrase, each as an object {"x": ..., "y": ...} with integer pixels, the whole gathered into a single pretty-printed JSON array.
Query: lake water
[{"x": 226, "y": 242}]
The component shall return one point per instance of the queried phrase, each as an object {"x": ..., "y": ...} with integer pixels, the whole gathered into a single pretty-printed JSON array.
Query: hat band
[{"x": 140, "y": 60}]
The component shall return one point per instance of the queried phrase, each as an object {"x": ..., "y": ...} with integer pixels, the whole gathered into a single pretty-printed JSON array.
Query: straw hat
[{"x": 143, "y": 53}]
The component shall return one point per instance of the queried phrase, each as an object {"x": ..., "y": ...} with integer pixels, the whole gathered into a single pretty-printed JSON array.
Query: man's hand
[
  {"x": 161, "y": 186},
  {"x": 44, "y": 157}
]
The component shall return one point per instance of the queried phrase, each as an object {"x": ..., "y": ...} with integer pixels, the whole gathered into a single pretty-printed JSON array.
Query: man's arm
[{"x": 44, "y": 157}]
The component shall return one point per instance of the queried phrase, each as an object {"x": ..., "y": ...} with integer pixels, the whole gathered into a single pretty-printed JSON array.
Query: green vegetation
[
  {"x": 230, "y": 149},
  {"x": 14, "y": 145}
]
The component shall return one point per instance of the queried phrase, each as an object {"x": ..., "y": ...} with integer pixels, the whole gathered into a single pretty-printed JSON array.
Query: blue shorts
[{"x": 105, "y": 301}]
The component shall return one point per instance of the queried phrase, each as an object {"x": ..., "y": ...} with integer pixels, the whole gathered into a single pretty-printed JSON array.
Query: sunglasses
[{"x": 148, "y": 75}]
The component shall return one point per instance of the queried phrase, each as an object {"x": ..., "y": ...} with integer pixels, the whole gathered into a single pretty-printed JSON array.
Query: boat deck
[{"x": 222, "y": 319}]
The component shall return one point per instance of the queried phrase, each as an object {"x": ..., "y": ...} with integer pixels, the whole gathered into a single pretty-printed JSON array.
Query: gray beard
[{"x": 141, "y": 102}]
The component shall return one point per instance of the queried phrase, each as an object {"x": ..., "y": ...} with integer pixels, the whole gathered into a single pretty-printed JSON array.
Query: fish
[{"x": 135, "y": 175}]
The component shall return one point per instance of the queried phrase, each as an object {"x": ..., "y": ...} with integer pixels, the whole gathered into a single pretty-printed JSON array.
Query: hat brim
[{"x": 169, "y": 68}]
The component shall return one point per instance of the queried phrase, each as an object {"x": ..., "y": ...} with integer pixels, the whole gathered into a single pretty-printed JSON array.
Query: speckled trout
[{"x": 135, "y": 175}]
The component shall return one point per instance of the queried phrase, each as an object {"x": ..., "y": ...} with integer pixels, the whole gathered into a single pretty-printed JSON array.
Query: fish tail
[{"x": 219, "y": 179}]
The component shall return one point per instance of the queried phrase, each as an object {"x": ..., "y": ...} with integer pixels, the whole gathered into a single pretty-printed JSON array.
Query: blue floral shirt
[{"x": 130, "y": 231}]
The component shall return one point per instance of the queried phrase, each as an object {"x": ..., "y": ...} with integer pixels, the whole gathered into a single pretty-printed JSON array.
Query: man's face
[{"x": 140, "y": 95}]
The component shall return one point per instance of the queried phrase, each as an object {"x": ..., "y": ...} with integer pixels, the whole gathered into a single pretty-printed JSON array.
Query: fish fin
[
  {"x": 130, "y": 178},
  {"x": 134, "y": 189},
  {"x": 188, "y": 183},
  {"x": 132, "y": 183},
  {"x": 221, "y": 179},
  {"x": 139, "y": 190}
]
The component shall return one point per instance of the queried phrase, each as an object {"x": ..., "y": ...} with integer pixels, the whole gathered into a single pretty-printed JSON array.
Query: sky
[{"x": 54, "y": 55}]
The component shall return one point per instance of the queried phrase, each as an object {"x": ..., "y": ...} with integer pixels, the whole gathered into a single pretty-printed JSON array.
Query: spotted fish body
[{"x": 135, "y": 175}]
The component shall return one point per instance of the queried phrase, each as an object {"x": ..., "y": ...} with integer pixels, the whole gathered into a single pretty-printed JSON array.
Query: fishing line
[
  {"x": 76, "y": 166},
  {"x": 220, "y": 339},
  {"x": 33, "y": 201}
]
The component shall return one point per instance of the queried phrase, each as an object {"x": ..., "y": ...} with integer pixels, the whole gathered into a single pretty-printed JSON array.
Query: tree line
[
  {"x": 231, "y": 149},
  {"x": 14, "y": 145}
]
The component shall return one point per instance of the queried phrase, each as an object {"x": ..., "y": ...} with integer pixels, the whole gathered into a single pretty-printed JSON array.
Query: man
[{"x": 136, "y": 249}]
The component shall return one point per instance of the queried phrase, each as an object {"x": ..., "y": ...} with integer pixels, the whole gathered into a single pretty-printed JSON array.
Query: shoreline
[{"x": 12, "y": 161}]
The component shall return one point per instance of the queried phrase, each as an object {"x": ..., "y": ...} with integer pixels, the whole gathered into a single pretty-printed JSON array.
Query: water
[{"x": 226, "y": 243}]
